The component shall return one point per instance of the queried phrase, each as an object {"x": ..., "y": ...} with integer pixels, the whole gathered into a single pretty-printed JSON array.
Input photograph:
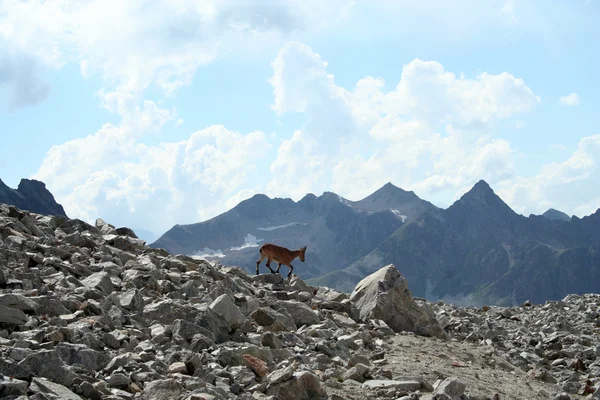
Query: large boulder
[{"x": 385, "y": 295}]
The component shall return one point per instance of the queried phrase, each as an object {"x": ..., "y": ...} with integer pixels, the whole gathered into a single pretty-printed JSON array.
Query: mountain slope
[
  {"x": 479, "y": 250},
  {"x": 31, "y": 195},
  {"x": 337, "y": 231}
]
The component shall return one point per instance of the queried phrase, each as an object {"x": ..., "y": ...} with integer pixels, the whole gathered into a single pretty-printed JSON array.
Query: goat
[{"x": 281, "y": 255}]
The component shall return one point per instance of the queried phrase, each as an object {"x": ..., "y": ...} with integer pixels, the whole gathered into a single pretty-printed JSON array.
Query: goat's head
[{"x": 302, "y": 252}]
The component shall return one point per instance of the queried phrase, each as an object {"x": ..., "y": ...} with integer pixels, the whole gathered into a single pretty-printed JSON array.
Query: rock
[
  {"x": 385, "y": 295},
  {"x": 118, "y": 380},
  {"x": 51, "y": 390},
  {"x": 164, "y": 389},
  {"x": 403, "y": 386},
  {"x": 47, "y": 364},
  {"x": 281, "y": 375},
  {"x": 100, "y": 281},
  {"x": 178, "y": 367},
  {"x": 12, "y": 316},
  {"x": 228, "y": 310},
  {"x": 300, "y": 312},
  {"x": 13, "y": 387},
  {"x": 303, "y": 386},
  {"x": 449, "y": 389},
  {"x": 19, "y": 302},
  {"x": 187, "y": 330}
]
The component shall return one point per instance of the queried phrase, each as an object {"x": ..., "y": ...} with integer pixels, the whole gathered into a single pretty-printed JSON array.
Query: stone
[
  {"x": 118, "y": 380},
  {"x": 13, "y": 387},
  {"x": 385, "y": 295},
  {"x": 280, "y": 375},
  {"x": 163, "y": 389},
  {"x": 224, "y": 306},
  {"x": 300, "y": 312},
  {"x": 178, "y": 367},
  {"x": 47, "y": 364},
  {"x": 303, "y": 386},
  {"x": 449, "y": 389},
  {"x": 18, "y": 302},
  {"x": 51, "y": 390},
  {"x": 399, "y": 385},
  {"x": 99, "y": 280},
  {"x": 12, "y": 316}
]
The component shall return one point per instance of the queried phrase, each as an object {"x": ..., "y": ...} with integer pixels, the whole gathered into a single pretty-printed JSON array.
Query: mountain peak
[
  {"x": 482, "y": 196},
  {"x": 31, "y": 195},
  {"x": 556, "y": 215}
]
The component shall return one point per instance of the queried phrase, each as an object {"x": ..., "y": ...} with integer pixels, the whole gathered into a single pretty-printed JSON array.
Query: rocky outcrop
[
  {"x": 385, "y": 295},
  {"x": 31, "y": 195},
  {"x": 90, "y": 312}
]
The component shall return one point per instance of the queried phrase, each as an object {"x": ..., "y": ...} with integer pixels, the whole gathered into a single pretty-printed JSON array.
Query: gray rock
[
  {"x": 303, "y": 386},
  {"x": 385, "y": 295},
  {"x": 188, "y": 331},
  {"x": 404, "y": 386},
  {"x": 280, "y": 375},
  {"x": 449, "y": 389},
  {"x": 13, "y": 387},
  {"x": 100, "y": 281},
  {"x": 52, "y": 390},
  {"x": 12, "y": 316},
  {"x": 19, "y": 302},
  {"x": 223, "y": 306},
  {"x": 165, "y": 389},
  {"x": 47, "y": 364},
  {"x": 300, "y": 312}
]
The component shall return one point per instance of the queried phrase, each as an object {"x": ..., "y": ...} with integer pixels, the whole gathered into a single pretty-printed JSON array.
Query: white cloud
[
  {"x": 431, "y": 133},
  {"x": 110, "y": 174},
  {"x": 570, "y": 185},
  {"x": 572, "y": 99},
  {"x": 509, "y": 10},
  {"x": 136, "y": 44}
]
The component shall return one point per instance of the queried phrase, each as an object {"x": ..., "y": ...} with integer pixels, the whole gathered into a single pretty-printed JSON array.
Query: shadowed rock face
[{"x": 31, "y": 195}]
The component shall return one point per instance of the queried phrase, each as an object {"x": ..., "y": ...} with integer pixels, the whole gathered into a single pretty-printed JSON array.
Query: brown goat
[{"x": 281, "y": 255}]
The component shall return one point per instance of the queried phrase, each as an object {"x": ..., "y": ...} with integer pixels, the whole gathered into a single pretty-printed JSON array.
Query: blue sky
[{"x": 151, "y": 116}]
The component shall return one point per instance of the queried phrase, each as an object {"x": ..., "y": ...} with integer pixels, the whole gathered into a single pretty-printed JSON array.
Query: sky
[{"x": 151, "y": 114}]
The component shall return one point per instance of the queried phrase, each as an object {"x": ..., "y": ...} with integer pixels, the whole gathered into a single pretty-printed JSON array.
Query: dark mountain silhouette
[{"x": 31, "y": 195}]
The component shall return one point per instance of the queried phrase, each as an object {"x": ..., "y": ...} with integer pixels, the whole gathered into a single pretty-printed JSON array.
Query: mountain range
[
  {"x": 337, "y": 231},
  {"x": 476, "y": 251}
]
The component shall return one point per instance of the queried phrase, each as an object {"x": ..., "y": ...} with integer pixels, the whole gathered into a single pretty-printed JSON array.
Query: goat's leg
[
  {"x": 278, "y": 266},
  {"x": 262, "y": 257},
  {"x": 291, "y": 269},
  {"x": 269, "y": 266}
]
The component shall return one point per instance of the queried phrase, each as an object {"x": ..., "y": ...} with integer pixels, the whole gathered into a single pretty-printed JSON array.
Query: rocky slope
[
  {"x": 480, "y": 251},
  {"x": 90, "y": 312},
  {"x": 31, "y": 195},
  {"x": 336, "y": 230}
]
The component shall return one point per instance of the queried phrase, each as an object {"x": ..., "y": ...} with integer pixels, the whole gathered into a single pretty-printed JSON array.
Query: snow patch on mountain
[
  {"x": 399, "y": 214},
  {"x": 249, "y": 241},
  {"x": 272, "y": 228},
  {"x": 206, "y": 253}
]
